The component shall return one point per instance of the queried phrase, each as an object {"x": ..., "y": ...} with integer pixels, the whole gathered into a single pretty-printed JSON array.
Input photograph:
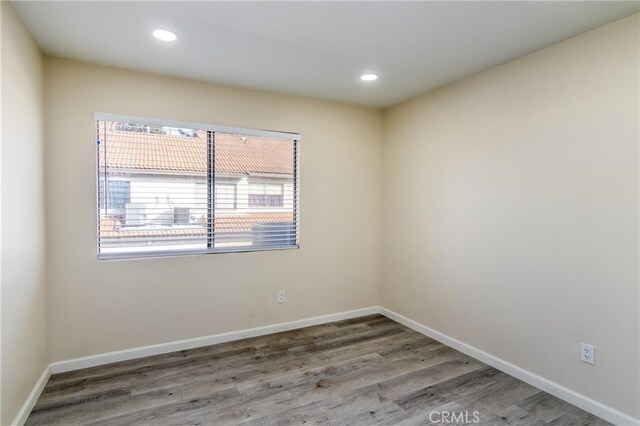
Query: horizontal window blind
[{"x": 172, "y": 190}]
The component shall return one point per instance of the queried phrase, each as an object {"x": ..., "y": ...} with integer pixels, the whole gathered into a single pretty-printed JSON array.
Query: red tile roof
[
  {"x": 132, "y": 150},
  {"x": 111, "y": 230}
]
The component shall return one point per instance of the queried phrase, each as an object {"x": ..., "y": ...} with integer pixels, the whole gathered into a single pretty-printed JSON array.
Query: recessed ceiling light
[
  {"x": 164, "y": 35},
  {"x": 369, "y": 77}
]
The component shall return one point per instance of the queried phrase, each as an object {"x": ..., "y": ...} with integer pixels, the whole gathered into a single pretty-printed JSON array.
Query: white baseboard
[
  {"x": 592, "y": 406},
  {"x": 26, "y": 408},
  {"x": 127, "y": 354},
  {"x": 603, "y": 411}
]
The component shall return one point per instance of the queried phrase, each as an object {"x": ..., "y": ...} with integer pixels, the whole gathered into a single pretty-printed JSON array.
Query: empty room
[{"x": 320, "y": 213}]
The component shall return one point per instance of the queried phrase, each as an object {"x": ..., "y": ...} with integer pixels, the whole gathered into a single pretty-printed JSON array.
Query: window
[
  {"x": 167, "y": 188},
  {"x": 118, "y": 194},
  {"x": 266, "y": 195},
  {"x": 225, "y": 196}
]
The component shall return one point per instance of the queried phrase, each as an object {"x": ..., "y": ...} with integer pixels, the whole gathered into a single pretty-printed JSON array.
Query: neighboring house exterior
[{"x": 154, "y": 188}]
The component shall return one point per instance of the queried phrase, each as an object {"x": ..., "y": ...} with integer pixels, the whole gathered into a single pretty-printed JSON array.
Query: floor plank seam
[{"x": 356, "y": 371}]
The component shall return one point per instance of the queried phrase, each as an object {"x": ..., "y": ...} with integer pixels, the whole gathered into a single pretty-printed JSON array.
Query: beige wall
[
  {"x": 24, "y": 314},
  {"x": 96, "y": 307},
  {"x": 511, "y": 212},
  {"x": 510, "y": 215}
]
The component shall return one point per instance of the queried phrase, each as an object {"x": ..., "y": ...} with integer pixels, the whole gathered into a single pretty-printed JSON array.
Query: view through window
[{"x": 165, "y": 190}]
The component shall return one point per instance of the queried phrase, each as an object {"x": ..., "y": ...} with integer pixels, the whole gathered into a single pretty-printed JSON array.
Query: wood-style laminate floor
[{"x": 362, "y": 371}]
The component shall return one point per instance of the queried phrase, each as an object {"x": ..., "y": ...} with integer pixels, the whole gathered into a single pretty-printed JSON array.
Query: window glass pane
[
  {"x": 156, "y": 188},
  {"x": 167, "y": 189},
  {"x": 266, "y": 194},
  {"x": 118, "y": 193},
  {"x": 225, "y": 196},
  {"x": 264, "y": 212}
]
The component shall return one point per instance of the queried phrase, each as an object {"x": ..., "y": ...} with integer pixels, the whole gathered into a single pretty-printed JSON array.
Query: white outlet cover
[{"x": 587, "y": 353}]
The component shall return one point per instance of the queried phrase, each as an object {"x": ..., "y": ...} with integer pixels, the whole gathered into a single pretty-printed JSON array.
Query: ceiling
[{"x": 316, "y": 49}]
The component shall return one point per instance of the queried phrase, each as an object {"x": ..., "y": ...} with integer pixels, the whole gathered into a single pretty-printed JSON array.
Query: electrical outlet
[
  {"x": 282, "y": 296},
  {"x": 587, "y": 353}
]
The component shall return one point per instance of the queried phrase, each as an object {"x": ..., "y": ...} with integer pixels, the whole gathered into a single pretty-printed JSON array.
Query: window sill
[{"x": 184, "y": 253}]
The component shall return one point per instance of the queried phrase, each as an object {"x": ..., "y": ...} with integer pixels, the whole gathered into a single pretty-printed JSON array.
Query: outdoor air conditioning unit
[
  {"x": 181, "y": 215},
  {"x": 274, "y": 234},
  {"x": 134, "y": 214}
]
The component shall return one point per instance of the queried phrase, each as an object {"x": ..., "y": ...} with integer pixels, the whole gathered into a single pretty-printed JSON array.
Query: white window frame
[
  {"x": 103, "y": 116},
  {"x": 295, "y": 137}
]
